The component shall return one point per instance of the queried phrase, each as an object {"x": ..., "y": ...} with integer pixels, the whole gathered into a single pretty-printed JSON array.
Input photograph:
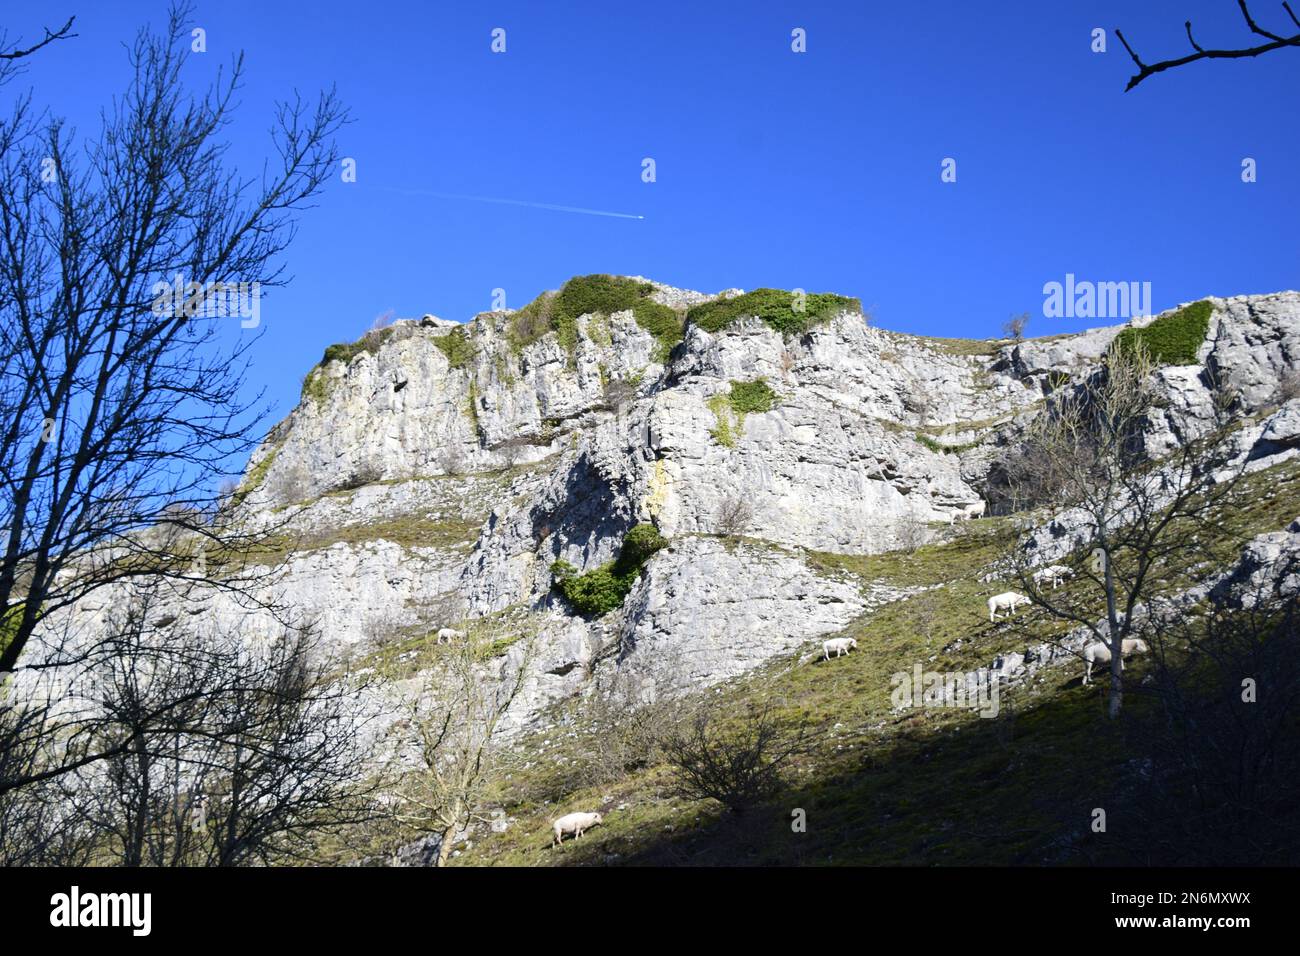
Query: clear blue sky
[{"x": 816, "y": 170}]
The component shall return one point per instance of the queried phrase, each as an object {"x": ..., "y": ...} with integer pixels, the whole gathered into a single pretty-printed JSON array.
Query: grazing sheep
[
  {"x": 1098, "y": 652},
  {"x": 1053, "y": 574},
  {"x": 975, "y": 511},
  {"x": 1006, "y": 601},
  {"x": 449, "y": 634},
  {"x": 839, "y": 646},
  {"x": 574, "y": 823}
]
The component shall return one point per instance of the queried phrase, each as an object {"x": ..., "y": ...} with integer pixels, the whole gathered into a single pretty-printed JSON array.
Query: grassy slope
[{"x": 938, "y": 786}]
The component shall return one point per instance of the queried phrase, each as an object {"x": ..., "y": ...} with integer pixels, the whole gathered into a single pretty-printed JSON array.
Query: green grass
[
  {"x": 939, "y": 448},
  {"x": 928, "y": 786},
  {"x": 255, "y": 476},
  {"x": 724, "y": 430},
  {"x": 978, "y": 545},
  {"x": 662, "y": 322},
  {"x": 405, "y": 654},
  {"x": 1172, "y": 339},
  {"x": 10, "y": 618},
  {"x": 778, "y": 308},
  {"x": 409, "y": 532},
  {"x": 752, "y": 397},
  {"x": 371, "y": 342},
  {"x": 729, "y": 410},
  {"x": 596, "y": 295},
  {"x": 960, "y": 347},
  {"x": 315, "y": 387},
  {"x": 879, "y": 787},
  {"x": 458, "y": 348}
]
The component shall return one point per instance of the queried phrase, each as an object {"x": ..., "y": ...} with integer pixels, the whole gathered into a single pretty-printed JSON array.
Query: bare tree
[
  {"x": 11, "y": 54},
  {"x": 1014, "y": 328},
  {"x": 117, "y": 397},
  {"x": 516, "y": 449},
  {"x": 1221, "y": 782},
  {"x": 630, "y": 723},
  {"x": 788, "y": 362},
  {"x": 740, "y": 767},
  {"x": 36, "y": 827},
  {"x": 1085, "y": 458},
  {"x": 453, "y": 723},
  {"x": 207, "y": 751},
  {"x": 734, "y": 517},
  {"x": 911, "y": 534},
  {"x": 1275, "y": 41},
  {"x": 452, "y": 461}
]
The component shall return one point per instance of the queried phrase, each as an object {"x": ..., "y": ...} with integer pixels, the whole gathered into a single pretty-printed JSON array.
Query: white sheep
[
  {"x": 1006, "y": 601},
  {"x": 974, "y": 511},
  {"x": 574, "y": 823},
  {"x": 448, "y": 634},
  {"x": 838, "y": 646},
  {"x": 1053, "y": 574},
  {"x": 1098, "y": 652}
]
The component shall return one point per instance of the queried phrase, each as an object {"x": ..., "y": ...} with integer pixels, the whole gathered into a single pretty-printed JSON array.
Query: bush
[
  {"x": 756, "y": 397},
  {"x": 930, "y": 443},
  {"x": 776, "y": 307},
  {"x": 1173, "y": 339},
  {"x": 734, "y": 516},
  {"x": 371, "y": 342},
  {"x": 1014, "y": 328},
  {"x": 458, "y": 348},
  {"x": 639, "y": 546},
  {"x": 595, "y": 295},
  {"x": 619, "y": 391},
  {"x": 595, "y": 593},
  {"x": 601, "y": 590},
  {"x": 725, "y": 430},
  {"x": 315, "y": 387},
  {"x": 729, "y": 410},
  {"x": 662, "y": 322},
  {"x": 629, "y": 729},
  {"x": 1288, "y": 386},
  {"x": 739, "y": 768}
]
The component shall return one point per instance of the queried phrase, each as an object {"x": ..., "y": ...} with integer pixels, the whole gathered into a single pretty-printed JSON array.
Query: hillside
[{"x": 801, "y": 471}]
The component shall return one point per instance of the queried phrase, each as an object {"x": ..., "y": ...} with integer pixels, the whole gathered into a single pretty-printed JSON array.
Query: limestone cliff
[{"x": 433, "y": 472}]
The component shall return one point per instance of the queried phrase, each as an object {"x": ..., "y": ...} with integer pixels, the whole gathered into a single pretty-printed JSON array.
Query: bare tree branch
[{"x": 1277, "y": 41}]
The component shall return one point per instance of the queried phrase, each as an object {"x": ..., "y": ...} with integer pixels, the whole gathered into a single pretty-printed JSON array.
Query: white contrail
[{"x": 515, "y": 202}]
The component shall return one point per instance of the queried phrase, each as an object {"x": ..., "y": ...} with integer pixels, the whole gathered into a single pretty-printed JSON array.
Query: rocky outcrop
[{"x": 435, "y": 471}]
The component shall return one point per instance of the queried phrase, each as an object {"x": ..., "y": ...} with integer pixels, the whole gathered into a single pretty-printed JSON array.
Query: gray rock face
[
  {"x": 1269, "y": 567},
  {"x": 684, "y": 626},
  {"x": 474, "y": 464}
]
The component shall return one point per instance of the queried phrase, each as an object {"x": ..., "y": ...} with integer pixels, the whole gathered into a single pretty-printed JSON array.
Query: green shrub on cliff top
[
  {"x": 594, "y": 295},
  {"x": 778, "y": 308},
  {"x": 1173, "y": 339},
  {"x": 458, "y": 348}
]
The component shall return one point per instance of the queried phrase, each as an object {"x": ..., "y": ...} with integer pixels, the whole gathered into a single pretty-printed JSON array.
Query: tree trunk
[
  {"x": 444, "y": 846},
  {"x": 1116, "y": 644},
  {"x": 448, "y": 833}
]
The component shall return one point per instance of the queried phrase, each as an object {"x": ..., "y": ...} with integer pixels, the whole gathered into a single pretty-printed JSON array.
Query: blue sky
[{"x": 818, "y": 170}]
